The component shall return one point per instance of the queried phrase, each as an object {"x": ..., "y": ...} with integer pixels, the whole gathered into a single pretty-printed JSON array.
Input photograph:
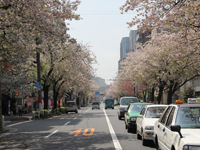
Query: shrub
[
  {"x": 45, "y": 113},
  {"x": 62, "y": 110},
  {"x": 188, "y": 93}
]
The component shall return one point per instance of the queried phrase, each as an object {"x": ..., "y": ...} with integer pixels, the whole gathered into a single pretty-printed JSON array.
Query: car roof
[
  {"x": 186, "y": 105},
  {"x": 156, "y": 105},
  {"x": 128, "y": 97},
  {"x": 140, "y": 103}
]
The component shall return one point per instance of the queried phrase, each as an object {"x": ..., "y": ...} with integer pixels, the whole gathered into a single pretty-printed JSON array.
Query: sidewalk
[{"x": 16, "y": 118}]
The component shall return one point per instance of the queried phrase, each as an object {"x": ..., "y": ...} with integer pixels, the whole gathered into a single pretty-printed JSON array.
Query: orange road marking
[
  {"x": 77, "y": 132},
  {"x": 86, "y": 130}
]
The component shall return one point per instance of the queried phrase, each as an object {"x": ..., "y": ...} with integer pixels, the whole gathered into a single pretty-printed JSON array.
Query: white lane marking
[
  {"x": 18, "y": 123},
  {"x": 75, "y": 118},
  {"x": 112, "y": 132},
  {"x": 51, "y": 134},
  {"x": 67, "y": 123}
]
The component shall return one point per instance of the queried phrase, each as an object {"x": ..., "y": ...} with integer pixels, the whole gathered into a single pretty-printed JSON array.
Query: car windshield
[
  {"x": 109, "y": 101},
  {"x": 188, "y": 117},
  {"x": 136, "y": 107},
  {"x": 95, "y": 103},
  {"x": 126, "y": 101},
  {"x": 154, "y": 112}
]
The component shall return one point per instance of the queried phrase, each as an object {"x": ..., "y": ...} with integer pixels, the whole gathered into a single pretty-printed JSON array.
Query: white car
[
  {"x": 71, "y": 106},
  {"x": 146, "y": 120},
  {"x": 123, "y": 104},
  {"x": 95, "y": 105},
  {"x": 178, "y": 128}
]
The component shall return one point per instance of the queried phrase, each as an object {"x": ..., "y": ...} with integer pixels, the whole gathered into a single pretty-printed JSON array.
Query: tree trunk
[
  {"x": 161, "y": 87},
  {"x": 54, "y": 98},
  {"x": 77, "y": 102},
  {"x": 46, "y": 93},
  {"x": 152, "y": 94},
  {"x": 172, "y": 89}
]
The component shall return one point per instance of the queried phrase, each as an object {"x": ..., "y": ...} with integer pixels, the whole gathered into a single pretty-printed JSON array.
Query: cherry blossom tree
[
  {"x": 21, "y": 22},
  {"x": 163, "y": 62}
]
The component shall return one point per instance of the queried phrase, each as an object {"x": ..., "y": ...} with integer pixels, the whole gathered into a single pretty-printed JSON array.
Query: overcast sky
[{"x": 102, "y": 26}]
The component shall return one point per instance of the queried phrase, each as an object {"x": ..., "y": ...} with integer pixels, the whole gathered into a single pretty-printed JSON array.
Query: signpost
[
  {"x": 38, "y": 84},
  {"x": 97, "y": 93}
]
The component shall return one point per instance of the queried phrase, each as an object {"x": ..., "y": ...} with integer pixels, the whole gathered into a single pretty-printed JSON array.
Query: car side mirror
[{"x": 176, "y": 128}]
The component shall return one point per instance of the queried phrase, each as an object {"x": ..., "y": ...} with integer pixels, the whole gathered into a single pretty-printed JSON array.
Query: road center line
[
  {"x": 67, "y": 123},
  {"x": 75, "y": 118},
  {"x": 51, "y": 133},
  {"x": 112, "y": 132}
]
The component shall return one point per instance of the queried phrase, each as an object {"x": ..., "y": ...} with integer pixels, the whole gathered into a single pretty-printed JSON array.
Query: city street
[{"x": 89, "y": 129}]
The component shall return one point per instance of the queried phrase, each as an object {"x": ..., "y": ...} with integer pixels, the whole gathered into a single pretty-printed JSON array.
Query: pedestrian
[
  {"x": 20, "y": 109},
  {"x": 25, "y": 104}
]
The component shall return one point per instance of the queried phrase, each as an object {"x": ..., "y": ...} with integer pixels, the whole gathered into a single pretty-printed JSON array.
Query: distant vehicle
[
  {"x": 178, "y": 128},
  {"x": 71, "y": 106},
  {"x": 145, "y": 121},
  {"x": 123, "y": 104},
  {"x": 109, "y": 103},
  {"x": 95, "y": 105},
  {"x": 116, "y": 103},
  {"x": 131, "y": 113}
]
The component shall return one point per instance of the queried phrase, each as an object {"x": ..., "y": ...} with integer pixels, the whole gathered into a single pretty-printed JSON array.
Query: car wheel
[
  {"x": 156, "y": 143},
  {"x": 144, "y": 142},
  {"x": 113, "y": 108},
  {"x": 138, "y": 136},
  {"x": 76, "y": 111},
  {"x": 128, "y": 129},
  {"x": 66, "y": 112}
]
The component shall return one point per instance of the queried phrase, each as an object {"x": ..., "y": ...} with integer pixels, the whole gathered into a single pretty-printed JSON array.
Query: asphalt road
[{"x": 87, "y": 130}]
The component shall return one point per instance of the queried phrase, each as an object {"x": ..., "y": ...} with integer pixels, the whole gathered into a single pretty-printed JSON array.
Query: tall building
[
  {"x": 99, "y": 81},
  {"x": 127, "y": 45},
  {"x": 102, "y": 89},
  {"x": 133, "y": 40},
  {"x": 124, "y": 49}
]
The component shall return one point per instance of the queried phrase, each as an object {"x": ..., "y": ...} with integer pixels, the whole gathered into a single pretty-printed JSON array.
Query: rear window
[
  {"x": 95, "y": 103},
  {"x": 70, "y": 103},
  {"x": 126, "y": 101},
  {"x": 155, "y": 112}
]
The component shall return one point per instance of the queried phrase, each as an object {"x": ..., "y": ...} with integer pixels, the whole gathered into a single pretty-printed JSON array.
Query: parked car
[
  {"x": 95, "y": 105},
  {"x": 145, "y": 121},
  {"x": 123, "y": 104},
  {"x": 133, "y": 110},
  {"x": 178, "y": 128},
  {"x": 71, "y": 107}
]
